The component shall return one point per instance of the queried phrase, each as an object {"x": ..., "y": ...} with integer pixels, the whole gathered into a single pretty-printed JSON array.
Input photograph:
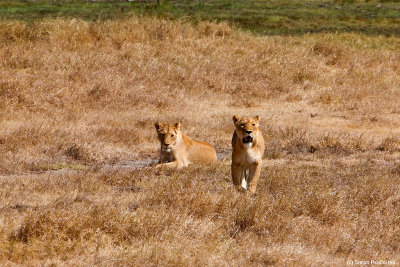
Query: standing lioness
[
  {"x": 181, "y": 149},
  {"x": 247, "y": 151}
]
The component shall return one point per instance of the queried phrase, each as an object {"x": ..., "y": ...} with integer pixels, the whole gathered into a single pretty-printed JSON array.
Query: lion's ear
[
  {"x": 158, "y": 126},
  {"x": 235, "y": 118},
  {"x": 257, "y": 118},
  {"x": 178, "y": 125}
]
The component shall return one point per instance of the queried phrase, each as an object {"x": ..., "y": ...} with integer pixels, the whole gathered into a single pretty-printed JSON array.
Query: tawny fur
[
  {"x": 179, "y": 150},
  {"x": 247, "y": 152}
]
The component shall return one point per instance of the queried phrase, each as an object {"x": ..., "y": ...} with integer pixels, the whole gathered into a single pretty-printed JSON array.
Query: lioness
[
  {"x": 247, "y": 151},
  {"x": 180, "y": 149}
]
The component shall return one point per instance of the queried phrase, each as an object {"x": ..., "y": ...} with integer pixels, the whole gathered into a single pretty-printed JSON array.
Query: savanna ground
[{"x": 78, "y": 102}]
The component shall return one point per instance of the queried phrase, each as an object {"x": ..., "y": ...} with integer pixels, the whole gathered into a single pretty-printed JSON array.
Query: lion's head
[
  {"x": 246, "y": 128},
  {"x": 168, "y": 134}
]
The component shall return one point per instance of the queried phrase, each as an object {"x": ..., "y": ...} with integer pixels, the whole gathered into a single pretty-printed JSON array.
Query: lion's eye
[
  {"x": 254, "y": 124},
  {"x": 172, "y": 135}
]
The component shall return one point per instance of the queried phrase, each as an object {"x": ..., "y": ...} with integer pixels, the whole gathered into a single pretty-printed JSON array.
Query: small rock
[{"x": 133, "y": 206}]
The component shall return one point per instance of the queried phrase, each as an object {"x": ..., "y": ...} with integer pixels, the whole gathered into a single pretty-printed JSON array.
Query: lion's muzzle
[{"x": 247, "y": 139}]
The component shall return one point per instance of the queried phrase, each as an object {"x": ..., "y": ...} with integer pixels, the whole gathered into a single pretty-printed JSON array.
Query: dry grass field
[{"x": 78, "y": 102}]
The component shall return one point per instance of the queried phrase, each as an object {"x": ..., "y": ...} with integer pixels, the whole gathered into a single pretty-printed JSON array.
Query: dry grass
[{"x": 78, "y": 99}]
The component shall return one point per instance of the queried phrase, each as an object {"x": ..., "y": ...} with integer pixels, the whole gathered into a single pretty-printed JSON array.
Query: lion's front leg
[
  {"x": 236, "y": 173},
  {"x": 244, "y": 178},
  {"x": 173, "y": 164},
  {"x": 254, "y": 174},
  {"x": 178, "y": 164}
]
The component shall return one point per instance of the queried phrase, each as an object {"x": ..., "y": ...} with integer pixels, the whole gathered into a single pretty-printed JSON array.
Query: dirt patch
[{"x": 222, "y": 155}]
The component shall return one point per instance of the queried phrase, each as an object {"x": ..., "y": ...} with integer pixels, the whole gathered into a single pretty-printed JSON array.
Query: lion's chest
[{"x": 251, "y": 156}]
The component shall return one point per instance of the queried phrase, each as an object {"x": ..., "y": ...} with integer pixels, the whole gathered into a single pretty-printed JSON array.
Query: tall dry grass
[
  {"x": 96, "y": 88},
  {"x": 78, "y": 100}
]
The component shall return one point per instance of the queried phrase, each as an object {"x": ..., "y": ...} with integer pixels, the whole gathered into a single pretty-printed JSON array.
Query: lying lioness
[
  {"x": 180, "y": 149},
  {"x": 247, "y": 151}
]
